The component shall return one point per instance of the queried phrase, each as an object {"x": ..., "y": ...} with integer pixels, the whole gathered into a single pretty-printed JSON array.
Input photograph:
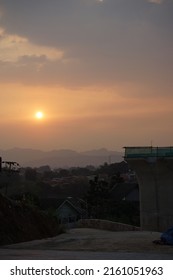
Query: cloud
[
  {"x": 13, "y": 46},
  {"x": 1, "y": 13},
  {"x": 81, "y": 43},
  {"x": 155, "y": 1}
]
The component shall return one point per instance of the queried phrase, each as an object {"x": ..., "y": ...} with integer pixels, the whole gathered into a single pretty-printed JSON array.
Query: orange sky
[{"x": 100, "y": 73}]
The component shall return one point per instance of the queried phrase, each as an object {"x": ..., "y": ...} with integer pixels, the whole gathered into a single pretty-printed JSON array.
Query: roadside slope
[{"x": 20, "y": 222}]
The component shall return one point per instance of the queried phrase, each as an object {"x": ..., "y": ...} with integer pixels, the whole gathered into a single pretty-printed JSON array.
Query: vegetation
[
  {"x": 101, "y": 205},
  {"x": 19, "y": 222},
  {"x": 91, "y": 184}
]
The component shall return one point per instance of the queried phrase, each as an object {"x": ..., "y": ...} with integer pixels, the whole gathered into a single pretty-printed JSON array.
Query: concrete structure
[
  {"x": 154, "y": 171},
  {"x": 105, "y": 225}
]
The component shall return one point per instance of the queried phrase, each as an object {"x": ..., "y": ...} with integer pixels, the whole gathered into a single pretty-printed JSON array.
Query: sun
[{"x": 39, "y": 115}]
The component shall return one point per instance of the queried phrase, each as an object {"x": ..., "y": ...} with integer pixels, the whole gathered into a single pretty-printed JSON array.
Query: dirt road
[{"x": 98, "y": 242}]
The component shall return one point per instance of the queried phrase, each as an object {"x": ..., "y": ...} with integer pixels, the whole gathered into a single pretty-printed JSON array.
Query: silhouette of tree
[
  {"x": 97, "y": 198},
  {"x": 30, "y": 174}
]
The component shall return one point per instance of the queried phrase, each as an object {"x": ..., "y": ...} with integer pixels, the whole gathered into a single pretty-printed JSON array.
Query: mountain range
[{"x": 60, "y": 158}]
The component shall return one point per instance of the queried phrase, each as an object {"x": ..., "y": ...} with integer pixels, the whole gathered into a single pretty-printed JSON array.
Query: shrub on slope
[{"x": 20, "y": 222}]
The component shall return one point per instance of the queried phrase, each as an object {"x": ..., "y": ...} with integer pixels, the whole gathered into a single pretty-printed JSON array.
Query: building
[
  {"x": 125, "y": 191},
  {"x": 67, "y": 210},
  {"x": 70, "y": 211}
]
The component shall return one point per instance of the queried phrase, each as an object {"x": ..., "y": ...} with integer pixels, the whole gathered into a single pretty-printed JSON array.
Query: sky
[{"x": 100, "y": 71}]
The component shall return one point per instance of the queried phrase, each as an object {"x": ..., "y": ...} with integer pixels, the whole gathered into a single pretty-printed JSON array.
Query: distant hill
[{"x": 60, "y": 158}]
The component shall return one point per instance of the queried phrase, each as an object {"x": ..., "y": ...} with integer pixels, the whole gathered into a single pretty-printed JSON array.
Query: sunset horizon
[{"x": 86, "y": 74}]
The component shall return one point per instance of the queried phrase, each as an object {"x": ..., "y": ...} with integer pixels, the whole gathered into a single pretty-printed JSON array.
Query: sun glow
[{"x": 39, "y": 115}]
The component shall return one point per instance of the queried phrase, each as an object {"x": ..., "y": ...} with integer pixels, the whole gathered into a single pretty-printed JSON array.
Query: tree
[
  {"x": 30, "y": 174},
  {"x": 97, "y": 198}
]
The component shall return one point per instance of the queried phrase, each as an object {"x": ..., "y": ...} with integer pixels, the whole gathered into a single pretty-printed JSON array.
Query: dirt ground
[{"x": 86, "y": 239}]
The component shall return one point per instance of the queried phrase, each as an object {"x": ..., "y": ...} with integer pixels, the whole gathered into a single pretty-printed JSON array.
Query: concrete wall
[
  {"x": 155, "y": 178},
  {"x": 105, "y": 225}
]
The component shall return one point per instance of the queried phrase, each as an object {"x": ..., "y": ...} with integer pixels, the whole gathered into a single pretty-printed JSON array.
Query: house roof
[
  {"x": 57, "y": 203},
  {"x": 70, "y": 204},
  {"x": 75, "y": 203},
  {"x": 119, "y": 191}
]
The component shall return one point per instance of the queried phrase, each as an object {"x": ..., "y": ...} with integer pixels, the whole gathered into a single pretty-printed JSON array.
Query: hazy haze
[{"x": 101, "y": 72}]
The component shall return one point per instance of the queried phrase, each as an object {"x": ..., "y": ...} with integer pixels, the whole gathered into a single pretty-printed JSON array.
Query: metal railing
[{"x": 144, "y": 152}]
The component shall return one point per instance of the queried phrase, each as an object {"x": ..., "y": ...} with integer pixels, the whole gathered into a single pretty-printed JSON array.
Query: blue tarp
[{"x": 167, "y": 236}]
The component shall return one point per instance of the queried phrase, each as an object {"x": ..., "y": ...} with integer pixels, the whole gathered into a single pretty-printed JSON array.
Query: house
[
  {"x": 67, "y": 210},
  {"x": 125, "y": 191},
  {"x": 70, "y": 211}
]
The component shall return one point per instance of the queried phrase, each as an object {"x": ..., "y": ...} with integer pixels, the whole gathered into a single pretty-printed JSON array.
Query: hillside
[
  {"x": 20, "y": 222},
  {"x": 60, "y": 158}
]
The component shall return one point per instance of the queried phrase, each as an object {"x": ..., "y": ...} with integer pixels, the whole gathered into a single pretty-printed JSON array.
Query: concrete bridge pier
[{"x": 154, "y": 171}]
